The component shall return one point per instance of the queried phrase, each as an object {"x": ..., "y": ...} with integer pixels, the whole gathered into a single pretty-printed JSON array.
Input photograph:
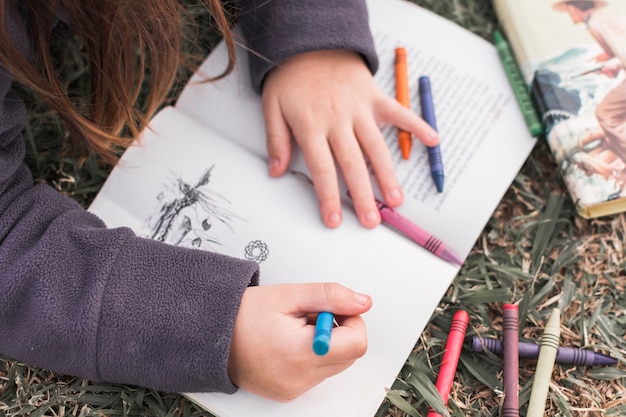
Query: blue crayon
[
  {"x": 323, "y": 327},
  {"x": 428, "y": 113}
]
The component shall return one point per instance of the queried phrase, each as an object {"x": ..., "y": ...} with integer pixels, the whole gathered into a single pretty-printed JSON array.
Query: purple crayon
[{"x": 567, "y": 355}]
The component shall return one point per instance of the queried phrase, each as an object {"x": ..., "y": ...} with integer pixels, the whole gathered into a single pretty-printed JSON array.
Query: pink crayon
[{"x": 416, "y": 234}]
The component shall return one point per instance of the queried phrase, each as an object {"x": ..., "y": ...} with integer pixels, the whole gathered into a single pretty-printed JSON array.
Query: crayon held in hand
[
  {"x": 323, "y": 328},
  {"x": 402, "y": 95}
]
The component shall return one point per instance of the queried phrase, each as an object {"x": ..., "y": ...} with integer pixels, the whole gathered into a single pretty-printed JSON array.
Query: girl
[{"x": 81, "y": 299}]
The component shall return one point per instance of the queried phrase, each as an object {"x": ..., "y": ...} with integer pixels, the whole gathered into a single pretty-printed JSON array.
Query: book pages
[{"x": 483, "y": 137}]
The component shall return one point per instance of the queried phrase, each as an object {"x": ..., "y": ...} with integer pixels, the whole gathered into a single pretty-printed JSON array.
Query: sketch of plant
[{"x": 186, "y": 213}]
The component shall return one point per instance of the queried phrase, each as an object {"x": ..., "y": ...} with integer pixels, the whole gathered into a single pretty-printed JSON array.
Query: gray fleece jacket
[{"x": 104, "y": 304}]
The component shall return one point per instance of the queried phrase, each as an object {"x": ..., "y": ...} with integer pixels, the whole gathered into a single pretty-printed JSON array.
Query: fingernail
[
  {"x": 274, "y": 163},
  {"x": 371, "y": 216},
  {"x": 395, "y": 194},
  {"x": 361, "y": 299},
  {"x": 334, "y": 218}
]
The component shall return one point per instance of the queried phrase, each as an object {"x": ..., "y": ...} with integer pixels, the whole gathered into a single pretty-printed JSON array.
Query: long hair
[{"x": 129, "y": 44}]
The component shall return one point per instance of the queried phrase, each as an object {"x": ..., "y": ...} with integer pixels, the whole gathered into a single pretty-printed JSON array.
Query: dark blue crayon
[
  {"x": 566, "y": 355},
  {"x": 428, "y": 114}
]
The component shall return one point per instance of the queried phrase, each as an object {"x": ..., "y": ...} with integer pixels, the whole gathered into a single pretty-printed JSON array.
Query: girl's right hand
[{"x": 271, "y": 352}]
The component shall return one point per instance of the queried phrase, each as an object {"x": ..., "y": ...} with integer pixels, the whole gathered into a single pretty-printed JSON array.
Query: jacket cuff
[{"x": 279, "y": 29}]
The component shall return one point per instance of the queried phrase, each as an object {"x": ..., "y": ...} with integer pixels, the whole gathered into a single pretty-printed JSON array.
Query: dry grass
[{"x": 534, "y": 252}]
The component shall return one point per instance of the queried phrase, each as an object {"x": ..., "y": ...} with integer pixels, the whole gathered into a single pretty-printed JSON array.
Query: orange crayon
[{"x": 402, "y": 95}]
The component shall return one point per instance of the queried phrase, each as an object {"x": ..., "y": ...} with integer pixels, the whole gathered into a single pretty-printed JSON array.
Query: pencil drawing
[{"x": 186, "y": 213}]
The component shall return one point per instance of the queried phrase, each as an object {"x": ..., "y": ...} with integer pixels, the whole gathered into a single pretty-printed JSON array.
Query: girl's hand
[
  {"x": 271, "y": 352},
  {"x": 328, "y": 101}
]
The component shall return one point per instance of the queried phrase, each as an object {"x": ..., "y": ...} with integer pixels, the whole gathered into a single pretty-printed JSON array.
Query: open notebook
[{"x": 199, "y": 178}]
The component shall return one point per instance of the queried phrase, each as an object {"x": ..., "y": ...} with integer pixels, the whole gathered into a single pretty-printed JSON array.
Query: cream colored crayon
[{"x": 545, "y": 365}]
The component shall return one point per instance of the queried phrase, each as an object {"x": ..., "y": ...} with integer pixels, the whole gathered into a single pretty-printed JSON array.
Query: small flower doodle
[{"x": 256, "y": 251}]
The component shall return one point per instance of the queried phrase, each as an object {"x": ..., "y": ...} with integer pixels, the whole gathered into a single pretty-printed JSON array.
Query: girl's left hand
[{"x": 328, "y": 101}]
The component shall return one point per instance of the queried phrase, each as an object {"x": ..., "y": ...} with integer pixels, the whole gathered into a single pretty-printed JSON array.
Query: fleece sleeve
[
  {"x": 84, "y": 300},
  {"x": 279, "y": 29}
]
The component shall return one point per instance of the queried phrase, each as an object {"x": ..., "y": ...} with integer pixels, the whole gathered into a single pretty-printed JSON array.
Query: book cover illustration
[{"x": 573, "y": 55}]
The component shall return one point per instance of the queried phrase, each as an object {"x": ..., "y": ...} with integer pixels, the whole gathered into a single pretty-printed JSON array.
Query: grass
[{"x": 534, "y": 251}]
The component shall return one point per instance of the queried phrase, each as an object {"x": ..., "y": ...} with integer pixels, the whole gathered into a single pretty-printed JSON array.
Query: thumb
[{"x": 331, "y": 297}]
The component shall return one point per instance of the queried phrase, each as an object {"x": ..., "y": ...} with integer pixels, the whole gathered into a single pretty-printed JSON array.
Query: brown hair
[{"x": 126, "y": 42}]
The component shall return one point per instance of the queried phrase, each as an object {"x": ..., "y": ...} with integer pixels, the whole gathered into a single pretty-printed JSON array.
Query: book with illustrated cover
[
  {"x": 198, "y": 177},
  {"x": 573, "y": 55}
]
